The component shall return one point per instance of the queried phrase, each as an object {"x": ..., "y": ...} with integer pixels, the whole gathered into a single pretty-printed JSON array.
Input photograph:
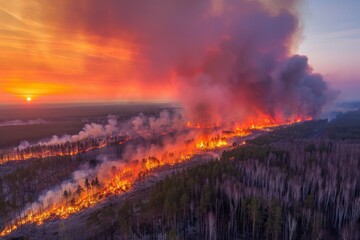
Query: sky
[
  {"x": 44, "y": 60},
  {"x": 331, "y": 40}
]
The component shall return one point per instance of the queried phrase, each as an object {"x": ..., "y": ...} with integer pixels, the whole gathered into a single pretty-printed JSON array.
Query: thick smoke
[
  {"x": 225, "y": 60},
  {"x": 143, "y": 125}
]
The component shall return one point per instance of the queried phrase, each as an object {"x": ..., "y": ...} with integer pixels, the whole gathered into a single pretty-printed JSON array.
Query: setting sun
[{"x": 213, "y": 119}]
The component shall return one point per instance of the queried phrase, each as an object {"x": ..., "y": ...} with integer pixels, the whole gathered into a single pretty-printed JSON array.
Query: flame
[
  {"x": 43, "y": 151},
  {"x": 123, "y": 180},
  {"x": 204, "y": 142},
  {"x": 212, "y": 144}
]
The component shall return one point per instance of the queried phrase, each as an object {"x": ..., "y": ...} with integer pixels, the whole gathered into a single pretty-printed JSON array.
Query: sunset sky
[
  {"x": 48, "y": 55},
  {"x": 332, "y": 42},
  {"x": 45, "y": 59}
]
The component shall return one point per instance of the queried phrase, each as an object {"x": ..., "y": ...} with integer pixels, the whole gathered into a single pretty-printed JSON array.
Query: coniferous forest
[
  {"x": 296, "y": 182},
  {"x": 301, "y": 182}
]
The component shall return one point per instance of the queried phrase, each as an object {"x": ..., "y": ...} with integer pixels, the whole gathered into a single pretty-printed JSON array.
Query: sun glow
[{"x": 28, "y": 99}]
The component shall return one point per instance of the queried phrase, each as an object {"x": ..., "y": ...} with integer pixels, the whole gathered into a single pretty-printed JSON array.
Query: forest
[
  {"x": 296, "y": 182},
  {"x": 303, "y": 184}
]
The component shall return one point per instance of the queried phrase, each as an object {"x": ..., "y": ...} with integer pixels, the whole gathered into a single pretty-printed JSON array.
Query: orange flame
[{"x": 124, "y": 179}]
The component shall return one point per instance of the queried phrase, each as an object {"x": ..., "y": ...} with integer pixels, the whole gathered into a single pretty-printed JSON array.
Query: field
[{"x": 61, "y": 119}]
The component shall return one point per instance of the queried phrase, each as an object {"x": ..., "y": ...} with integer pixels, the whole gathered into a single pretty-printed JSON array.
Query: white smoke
[
  {"x": 150, "y": 125},
  {"x": 133, "y": 154},
  {"x": 55, "y": 195},
  {"x": 92, "y": 130},
  {"x": 140, "y": 125},
  {"x": 23, "y": 122},
  {"x": 24, "y": 144}
]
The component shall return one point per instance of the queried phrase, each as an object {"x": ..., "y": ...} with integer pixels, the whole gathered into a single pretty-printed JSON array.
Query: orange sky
[
  {"x": 42, "y": 60},
  {"x": 69, "y": 51}
]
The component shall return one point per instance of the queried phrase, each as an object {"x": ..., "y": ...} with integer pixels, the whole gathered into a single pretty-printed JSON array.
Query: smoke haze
[{"x": 224, "y": 60}]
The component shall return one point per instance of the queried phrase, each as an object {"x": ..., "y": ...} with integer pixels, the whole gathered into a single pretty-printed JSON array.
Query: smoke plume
[{"x": 224, "y": 60}]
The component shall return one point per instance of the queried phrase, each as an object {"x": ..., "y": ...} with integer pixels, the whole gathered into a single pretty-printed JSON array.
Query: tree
[
  {"x": 291, "y": 221},
  {"x": 172, "y": 234},
  {"x": 205, "y": 199},
  {"x": 95, "y": 182},
  {"x": 184, "y": 201},
  {"x": 79, "y": 189},
  {"x": 254, "y": 212},
  {"x": 66, "y": 194},
  {"x": 124, "y": 215},
  {"x": 87, "y": 184}
]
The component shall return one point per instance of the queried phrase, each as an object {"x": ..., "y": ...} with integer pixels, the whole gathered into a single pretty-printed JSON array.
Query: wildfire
[
  {"x": 122, "y": 181},
  {"x": 66, "y": 149},
  {"x": 124, "y": 178},
  {"x": 212, "y": 144}
]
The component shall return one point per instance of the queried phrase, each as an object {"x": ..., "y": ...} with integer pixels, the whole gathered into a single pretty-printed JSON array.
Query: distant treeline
[
  {"x": 68, "y": 148},
  {"x": 345, "y": 126}
]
